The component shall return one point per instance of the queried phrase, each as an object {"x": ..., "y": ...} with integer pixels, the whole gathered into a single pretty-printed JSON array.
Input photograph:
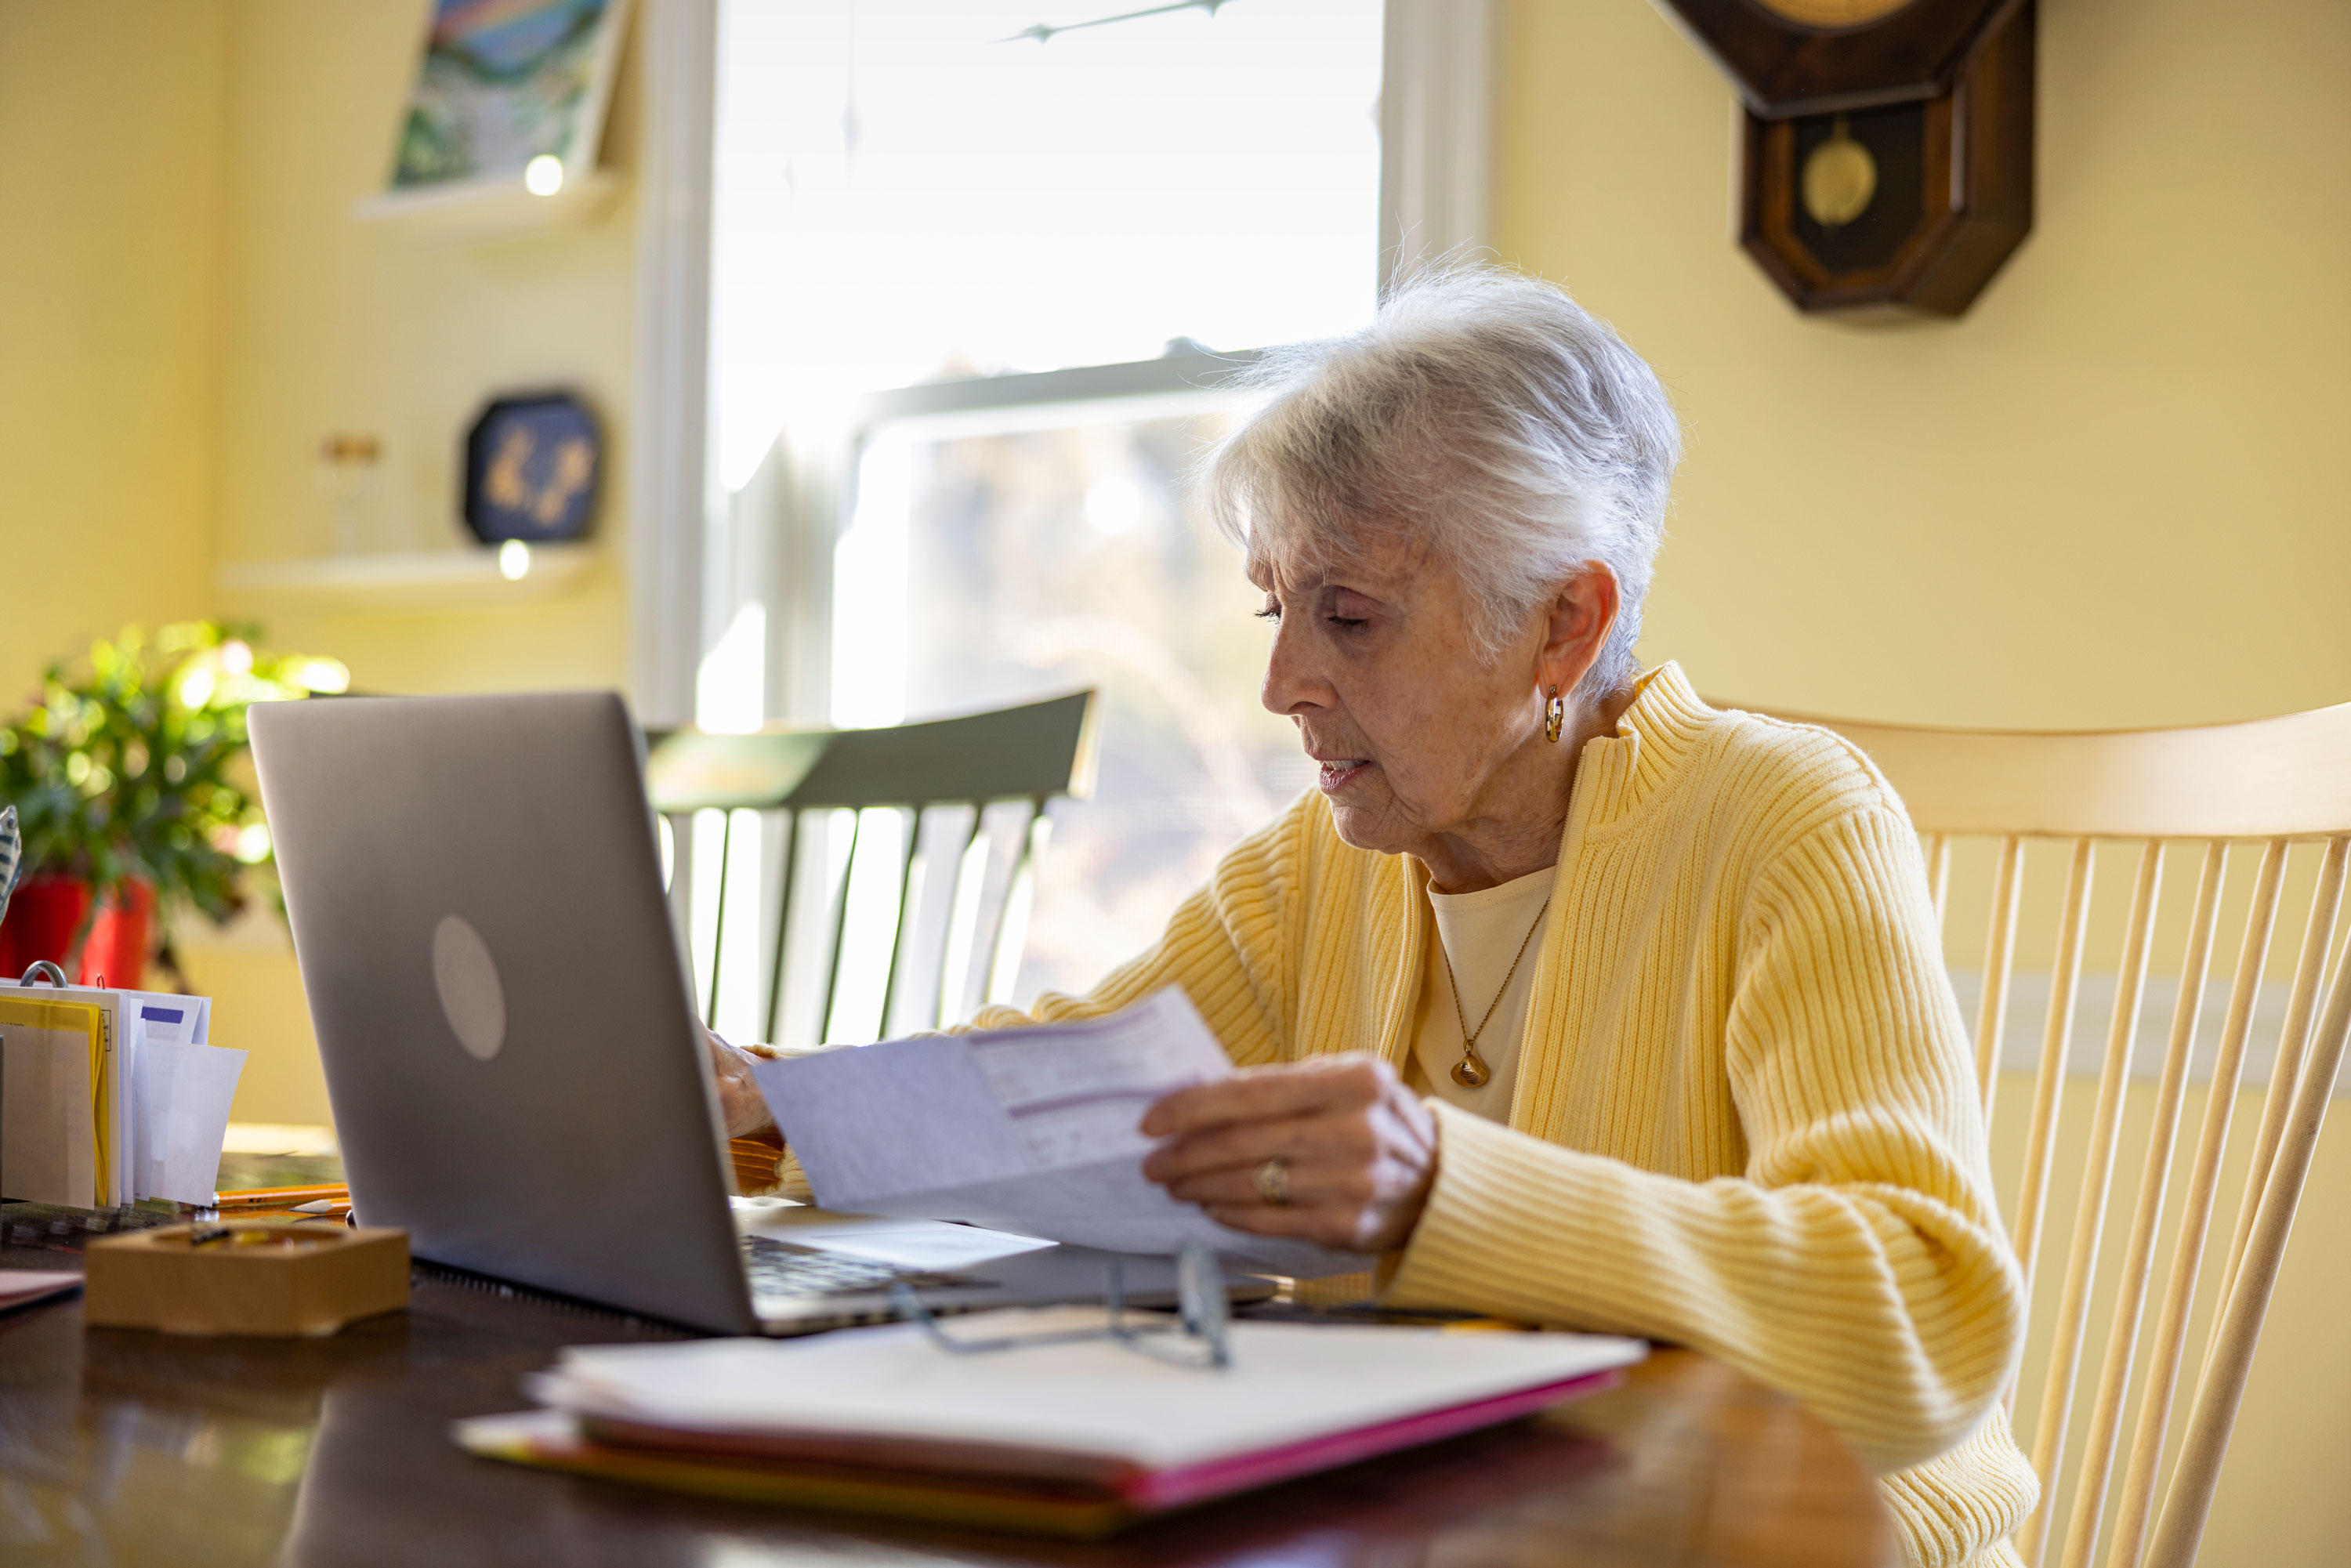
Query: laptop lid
[{"x": 473, "y": 885}]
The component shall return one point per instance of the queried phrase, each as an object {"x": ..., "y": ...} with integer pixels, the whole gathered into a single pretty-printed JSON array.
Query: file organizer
[{"x": 109, "y": 1096}]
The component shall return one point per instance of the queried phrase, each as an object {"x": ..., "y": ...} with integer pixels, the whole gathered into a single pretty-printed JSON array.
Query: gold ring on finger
[{"x": 1273, "y": 1182}]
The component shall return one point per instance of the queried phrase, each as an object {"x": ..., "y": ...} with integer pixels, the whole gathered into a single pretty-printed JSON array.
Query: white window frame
[
  {"x": 697, "y": 556},
  {"x": 694, "y": 555},
  {"x": 1438, "y": 63}
]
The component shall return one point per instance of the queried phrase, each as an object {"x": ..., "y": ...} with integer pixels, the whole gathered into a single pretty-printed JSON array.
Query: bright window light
[
  {"x": 1114, "y": 505},
  {"x": 728, "y": 695},
  {"x": 730, "y": 687},
  {"x": 990, "y": 567},
  {"x": 869, "y": 576},
  {"x": 543, "y": 175},
  {"x": 901, "y": 195}
]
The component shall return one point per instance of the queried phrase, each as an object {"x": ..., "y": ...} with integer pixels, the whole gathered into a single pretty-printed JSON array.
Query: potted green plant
[{"x": 131, "y": 781}]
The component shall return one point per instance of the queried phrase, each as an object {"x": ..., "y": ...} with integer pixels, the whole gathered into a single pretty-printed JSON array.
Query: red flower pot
[
  {"x": 116, "y": 953},
  {"x": 47, "y": 911},
  {"x": 43, "y": 917}
]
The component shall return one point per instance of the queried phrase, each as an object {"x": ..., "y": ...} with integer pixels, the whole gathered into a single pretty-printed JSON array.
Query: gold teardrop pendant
[{"x": 1469, "y": 1073}]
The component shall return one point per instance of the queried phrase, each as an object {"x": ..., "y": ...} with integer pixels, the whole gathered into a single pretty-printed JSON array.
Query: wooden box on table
[{"x": 257, "y": 1278}]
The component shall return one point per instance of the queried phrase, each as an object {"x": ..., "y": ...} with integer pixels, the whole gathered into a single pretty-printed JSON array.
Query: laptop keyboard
[{"x": 779, "y": 1269}]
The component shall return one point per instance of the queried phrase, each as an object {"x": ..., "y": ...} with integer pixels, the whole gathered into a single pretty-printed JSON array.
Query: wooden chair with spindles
[
  {"x": 2267, "y": 789},
  {"x": 1026, "y": 756}
]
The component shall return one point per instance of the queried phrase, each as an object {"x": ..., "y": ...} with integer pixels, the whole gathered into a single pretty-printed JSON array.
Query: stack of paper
[
  {"x": 1073, "y": 1439},
  {"x": 1029, "y": 1129},
  {"x": 109, "y": 1096}
]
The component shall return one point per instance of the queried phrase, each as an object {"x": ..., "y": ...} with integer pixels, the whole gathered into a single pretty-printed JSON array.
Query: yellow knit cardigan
[{"x": 1744, "y": 1119}]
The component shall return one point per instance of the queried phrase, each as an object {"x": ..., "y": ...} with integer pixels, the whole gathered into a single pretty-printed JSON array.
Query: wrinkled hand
[
  {"x": 1361, "y": 1151},
  {"x": 739, "y": 1100}
]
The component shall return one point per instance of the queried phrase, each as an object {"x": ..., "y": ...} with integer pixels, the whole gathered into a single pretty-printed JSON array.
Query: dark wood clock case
[
  {"x": 1783, "y": 66},
  {"x": 1954, "y": 193},
  {"x": 1951, "y": 154}
]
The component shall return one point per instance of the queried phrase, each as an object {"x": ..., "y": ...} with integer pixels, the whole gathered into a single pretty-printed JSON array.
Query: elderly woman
[{"x": 1576, "y": 999}]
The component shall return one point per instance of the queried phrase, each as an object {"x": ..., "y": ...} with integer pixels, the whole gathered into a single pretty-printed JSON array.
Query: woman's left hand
[
  {"x": 1357, "y": 1151},
  {"x": 739, "y": 1100}
]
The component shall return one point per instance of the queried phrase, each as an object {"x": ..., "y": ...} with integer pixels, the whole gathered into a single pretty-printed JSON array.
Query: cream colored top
[{"x": 1481, "y": 933}]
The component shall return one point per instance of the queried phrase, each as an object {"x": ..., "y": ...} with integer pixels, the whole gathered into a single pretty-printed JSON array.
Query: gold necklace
[{"x": 1470, "y": 1072}]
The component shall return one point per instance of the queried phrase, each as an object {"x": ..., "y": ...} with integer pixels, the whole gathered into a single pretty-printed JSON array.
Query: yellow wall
[
  {"x": 110, "y": 268},
  {"x": 335, "y": 326},
  {"x": 2110, "y": 495},
  {"x": 190, "y": 309},
  {"x": 332, "y": 326}
]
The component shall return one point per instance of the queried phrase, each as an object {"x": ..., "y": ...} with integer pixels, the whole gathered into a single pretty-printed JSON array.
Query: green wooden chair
[{"x": 1028, "y": 754}]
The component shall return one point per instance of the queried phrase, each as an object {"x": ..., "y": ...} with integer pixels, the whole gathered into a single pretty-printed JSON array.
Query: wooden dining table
[{"x": 124, "y": 1447}]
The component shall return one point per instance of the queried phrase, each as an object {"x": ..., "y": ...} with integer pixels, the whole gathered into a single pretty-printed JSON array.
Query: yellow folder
[{"x": 58, "y": 1102}]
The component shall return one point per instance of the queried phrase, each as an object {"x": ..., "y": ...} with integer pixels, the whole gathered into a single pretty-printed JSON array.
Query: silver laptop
[{"x": 502, "y": 1009}]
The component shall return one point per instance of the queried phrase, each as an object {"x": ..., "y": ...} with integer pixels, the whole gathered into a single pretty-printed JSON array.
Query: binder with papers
[
  {"x": 1066, "y": 1435},
  {"x": 109, "y": 1096}
]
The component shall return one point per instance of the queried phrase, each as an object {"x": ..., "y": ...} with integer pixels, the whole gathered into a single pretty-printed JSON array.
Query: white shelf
[
  {"x": 427, "y": 580},
  {"x": 485, "y": 209}
]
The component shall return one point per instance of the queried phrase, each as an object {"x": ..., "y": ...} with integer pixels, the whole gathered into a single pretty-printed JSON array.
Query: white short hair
[{"x": 1484, "y": 417}]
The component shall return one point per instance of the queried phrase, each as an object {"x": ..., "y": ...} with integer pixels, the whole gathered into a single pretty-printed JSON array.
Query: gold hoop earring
[{"x": 1555, "y": 716}]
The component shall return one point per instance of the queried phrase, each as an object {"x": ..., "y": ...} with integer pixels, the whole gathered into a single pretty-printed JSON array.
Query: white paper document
[
  {"x": 1025, "y": 1130},
  {"x": 918, "y": 1244},
  {"x": 180, "y": 1020},
  {"x": 185, "y": 1093}
]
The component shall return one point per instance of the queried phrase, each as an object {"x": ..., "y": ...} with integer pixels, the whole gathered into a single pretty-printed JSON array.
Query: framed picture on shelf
[{"x": 509, "y": 95}]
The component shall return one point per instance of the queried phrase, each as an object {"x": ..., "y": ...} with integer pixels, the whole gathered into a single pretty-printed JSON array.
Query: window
[
  {"x": 910, "y": 190},
  {"x": 1050, "y": 249},
  {"x": 989, "y": 568}
]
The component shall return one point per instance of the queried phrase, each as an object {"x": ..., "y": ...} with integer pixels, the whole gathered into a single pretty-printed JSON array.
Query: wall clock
[{"x": 1886, "y": 160}]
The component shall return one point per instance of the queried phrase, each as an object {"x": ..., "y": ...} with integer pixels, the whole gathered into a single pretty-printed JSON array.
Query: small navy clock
[{"x": 532, "y": 465}]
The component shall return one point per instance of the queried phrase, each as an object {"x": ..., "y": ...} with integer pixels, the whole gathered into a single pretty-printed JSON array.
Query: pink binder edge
[{"x": 1158, "y": 1490}]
